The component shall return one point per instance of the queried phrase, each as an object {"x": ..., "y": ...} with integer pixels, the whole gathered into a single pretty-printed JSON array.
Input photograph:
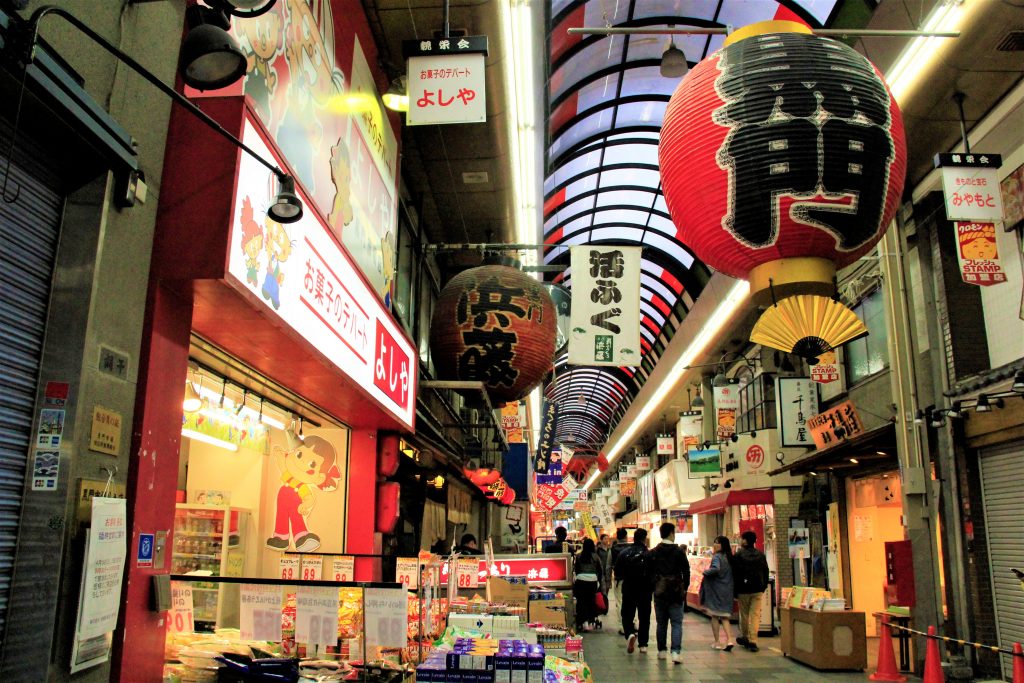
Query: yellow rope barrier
[{"x": 962, "y": 643}]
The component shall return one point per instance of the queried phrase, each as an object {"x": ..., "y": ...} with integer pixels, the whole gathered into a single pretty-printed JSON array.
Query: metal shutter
[
  {"x": 29, "y": 229},
  {"x": 1004, "y": 526}
]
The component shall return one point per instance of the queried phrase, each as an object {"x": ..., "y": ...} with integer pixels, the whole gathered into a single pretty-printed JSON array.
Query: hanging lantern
[
  {"x": 482, "y": 476},
  {"x": 782, "y": 159},
  {"x": 494, "y": 324}
]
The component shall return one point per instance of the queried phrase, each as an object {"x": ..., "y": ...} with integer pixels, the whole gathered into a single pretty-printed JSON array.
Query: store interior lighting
[
  {"x": 193, "y": 401},
  {"x": 212, "y": 440},
  {"x": 237, "y": 400},
  {"x": 397, "y": 96},
  {"x": 673, "y": 61},
  {"x": 918, "y": 55}
]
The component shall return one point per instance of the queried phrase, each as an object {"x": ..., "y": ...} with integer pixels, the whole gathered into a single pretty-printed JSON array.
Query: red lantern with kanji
[
  {"x": 782, "y": 159},
  {"x": 494, "y": 324}
]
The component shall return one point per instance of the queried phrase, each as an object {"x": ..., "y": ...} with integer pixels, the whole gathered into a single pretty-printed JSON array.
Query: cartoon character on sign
[
  {"x": 979, "y": 246},
  {"x": 252, "y": 242},
  {"x": 306, "y": 466},
  {"x": 279, "y": 249},
  {"x": 341, "y": 176},
  {"x": 260, "y": 38}
]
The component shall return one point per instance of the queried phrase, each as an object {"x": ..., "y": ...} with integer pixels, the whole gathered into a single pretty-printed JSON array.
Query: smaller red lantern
[
  {"x": 387, "y": 506},
  {"x": 387, "y": 455}
]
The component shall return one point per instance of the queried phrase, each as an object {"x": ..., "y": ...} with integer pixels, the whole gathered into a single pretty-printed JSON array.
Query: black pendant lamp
[
  {"x": 287, "y": 207},
  {"x": 210, "y": 57}
]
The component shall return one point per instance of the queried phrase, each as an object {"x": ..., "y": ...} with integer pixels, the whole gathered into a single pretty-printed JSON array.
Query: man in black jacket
[
  {"x": 750, "y": 574},
  {"x": 670, "y": 577},
  {"x": 631, "y": 569}
]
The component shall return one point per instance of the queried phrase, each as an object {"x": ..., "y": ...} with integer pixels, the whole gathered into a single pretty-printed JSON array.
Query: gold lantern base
[{"x": 807, "y": 325}]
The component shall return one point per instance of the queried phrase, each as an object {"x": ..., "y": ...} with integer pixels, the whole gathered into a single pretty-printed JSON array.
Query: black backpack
[{"x": 632, "y": 564}]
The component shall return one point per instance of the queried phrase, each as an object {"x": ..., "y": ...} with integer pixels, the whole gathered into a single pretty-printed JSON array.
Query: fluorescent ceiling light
[
  {"x": 718, "y": 318},
  {"x": 212, "y": 440},
  {"x": 918, "y": 55}
]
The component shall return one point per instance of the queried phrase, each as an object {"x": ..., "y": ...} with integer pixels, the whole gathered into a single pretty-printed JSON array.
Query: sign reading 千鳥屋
[
  {"x": 446, "y": 81},
  {"x": 835, "y": 425},
  {"x": 605, "y": 313},
  {"x": 970, "y": 186},
  {"x": 305, "y": 279},
  {"x": 978, "y": 254},
  {"x": 796, "y": 400}
]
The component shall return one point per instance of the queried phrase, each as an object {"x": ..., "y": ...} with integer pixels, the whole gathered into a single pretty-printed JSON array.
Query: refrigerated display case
[{"x": 210, "y": 538}]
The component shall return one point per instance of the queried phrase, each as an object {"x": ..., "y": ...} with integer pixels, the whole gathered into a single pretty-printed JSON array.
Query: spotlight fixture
[
  {"x": 210, "y": 58},
  {"x": 673, "y": 61},
  {"x": 1018, "y": 382},
  {"x": 397, "y": 96},
  {"x": 243, "y": 9},
  {"x": 707, "y": 445},
  {"x": 734, "y": 438},
  {"x": 855, "y": 461},
  {"x": 193, "y": 402},
  {"x": 241, "y": 404},
  {"x": 720, "y": 380},
  {"x": 955, "y": 410},
  {"x": 936, "y": 419},
  {"x": 728, "y": 483},
  {"x": 985, "y": 405},
  {"x": 919, "y": 417},
  {"x": 223, "y": 388},
  {"x": 287, "y": 208},
  {"x": 698, "y": 402},
  {"x": 299, "y": 433}
]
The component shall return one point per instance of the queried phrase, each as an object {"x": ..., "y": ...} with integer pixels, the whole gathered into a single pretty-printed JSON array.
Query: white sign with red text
[
  {"x": 343, "y": 568},
  {"x": 446, "y": 89},
  {"x": 300, "y": 275},
  {"x": 467, "y": 572},
  {"x": 407, "y": 572},
  {"x": 288, "y": 567},
  {"x": 972, "y": 193}
]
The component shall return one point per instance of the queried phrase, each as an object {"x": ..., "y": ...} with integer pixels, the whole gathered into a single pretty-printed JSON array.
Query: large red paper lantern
[
  {"x": 782, "y": 159},
  {"x": 494, "y": 324}
]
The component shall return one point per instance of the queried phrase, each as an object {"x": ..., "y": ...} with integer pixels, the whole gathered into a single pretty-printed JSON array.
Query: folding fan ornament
[{"x": 783, "y": 159}]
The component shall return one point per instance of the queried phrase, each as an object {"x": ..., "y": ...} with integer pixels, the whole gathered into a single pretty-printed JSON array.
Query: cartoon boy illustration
[
  {"x": 341, "y": 176},
  {"x": 305, "y": 466},
  {"x": 279, "y": 248},
  {"x": 261, "y": 39},
  {"x": 252, "y": 243}
]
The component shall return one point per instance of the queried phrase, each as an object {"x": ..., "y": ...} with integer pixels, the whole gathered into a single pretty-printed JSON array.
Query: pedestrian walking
[
  {"x": 750, "y": 571},
  {"x": 670, "y": 573},
  {"x": 716, "y": 593},
  {"x": 587, "y": 582},
  {"x": 604, "y": 555},
  {"x": 620, "y": 544},
  {"x": 631, "y": 568},
  {"x": 559, "y": 545}
]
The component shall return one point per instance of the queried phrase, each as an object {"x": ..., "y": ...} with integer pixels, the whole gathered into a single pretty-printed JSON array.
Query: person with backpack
[
  {"x": 620, "y": 544},
  {"x": 670, "y": 572},
  {"x": 631, "y": 569},
  {"x": 750, "y": 573},
  {"x": 588, "y": 582}
]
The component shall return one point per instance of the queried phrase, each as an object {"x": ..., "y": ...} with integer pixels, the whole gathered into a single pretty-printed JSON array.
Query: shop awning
[
  {"x": 718, "y": 502},
  {"x": 873, "y": 447}
]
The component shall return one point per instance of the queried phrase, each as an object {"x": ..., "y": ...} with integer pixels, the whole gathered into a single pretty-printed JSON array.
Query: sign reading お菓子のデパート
[
  {"x": 445, "y": 80},
  {"x": 303, "y": 277}
]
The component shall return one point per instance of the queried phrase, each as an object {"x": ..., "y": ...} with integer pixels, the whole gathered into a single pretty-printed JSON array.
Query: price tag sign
[
  {"x": 312, "y": 567},
  {"x": 316, "y": 615},
  {"x": 289, "y": 567},
  {"x": 260, "y": 617},
  {"x": 407, "y": 570},
  {"x": 386, "y": 617},
  {"x": 466, "y": 573},
  {"x": 180, "y": 619},
  {"x": 343, "y": 568}
]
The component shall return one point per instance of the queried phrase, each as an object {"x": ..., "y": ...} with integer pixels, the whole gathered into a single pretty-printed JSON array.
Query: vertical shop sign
[
  {"x": 343, "y": 568},
  {"x": 386, "y": 617},
  {"x": 605, "y": 306},
  {"x": 446, "y": 80},
  {"x": 546, "y": 443},
  {"x": 826, "y": 370},
  {"x": 796, "y": 400},
  {"x": 182, "y": 617},
  {"x": 978, "y": 254},
  {"x": 316, "y": 615},
  {"x": 260, "y": 617},
  {"x": 835, "y": 425},
  {"x": 970, "y": 186},
  {"x": 727, "y": 405},
  {"x": 689, "y": 430},
  {"x": 513, "y": 420}
]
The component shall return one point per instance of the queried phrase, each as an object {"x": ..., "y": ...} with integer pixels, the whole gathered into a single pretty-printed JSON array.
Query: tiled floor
[{"x": 605, "y": 652}]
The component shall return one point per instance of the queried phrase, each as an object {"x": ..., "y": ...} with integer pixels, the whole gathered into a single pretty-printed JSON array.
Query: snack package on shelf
[{"x": 350, "y": 612}]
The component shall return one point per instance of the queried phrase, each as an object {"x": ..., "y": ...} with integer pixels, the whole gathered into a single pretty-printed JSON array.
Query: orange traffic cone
[
  {"x": 932, "y": 661},
  {"x": 886, "y": 669},
  {"x": 1018, "y": 664}
]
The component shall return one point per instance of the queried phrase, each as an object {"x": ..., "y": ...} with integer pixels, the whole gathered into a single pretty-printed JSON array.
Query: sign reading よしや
[
  {"x": 301, "y": 276},
  {"x": 446, "y": 80}
]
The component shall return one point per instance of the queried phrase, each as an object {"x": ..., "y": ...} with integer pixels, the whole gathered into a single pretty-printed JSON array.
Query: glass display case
[{"x": 210, "y": 538}]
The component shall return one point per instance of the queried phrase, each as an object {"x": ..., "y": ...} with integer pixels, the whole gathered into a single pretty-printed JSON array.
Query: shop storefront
[{"x": 279, "y": 333}]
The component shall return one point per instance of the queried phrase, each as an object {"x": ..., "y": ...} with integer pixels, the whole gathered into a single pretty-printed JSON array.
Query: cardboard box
[
  {"x": 512, "y": 594},
  {"x": 556, "y": 612}
]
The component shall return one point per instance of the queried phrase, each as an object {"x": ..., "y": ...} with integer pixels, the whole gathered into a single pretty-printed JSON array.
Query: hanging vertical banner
[
  {"x": 605, "y": 306},
  {"x": 513, "y": 420},
  {"x": 727, "y": 405},
  {"x": 796, "y": 399},
  {"x": 548, "y": 425},
  {"x": 978, "y": 254},
  {"x": 689, "y": 431}
]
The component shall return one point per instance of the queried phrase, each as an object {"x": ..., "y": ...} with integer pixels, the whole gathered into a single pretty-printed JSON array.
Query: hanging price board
[
  {"x": 288, "y": 567},
  {"x": 180, "y": 619},
  {"x": 407, "y": 571},
  {"x": 312, "y": 567},
  {"x": 316, "y": 616},
  {"x": 466, "y": 573},
  {"x": 343, "y": 568},
  {"x": 260, "y": 617}
]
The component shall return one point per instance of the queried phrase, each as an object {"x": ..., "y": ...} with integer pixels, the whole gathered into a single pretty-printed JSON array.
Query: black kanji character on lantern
[
  {"x": 607, "y": 264},
  {"x": 491, "y": 298},
  {"x": 488, "y": 357},
  {"x": 605, "y": 292},
  {"x": 601, "y": 320},
  {"x": 782, "y": 92}
]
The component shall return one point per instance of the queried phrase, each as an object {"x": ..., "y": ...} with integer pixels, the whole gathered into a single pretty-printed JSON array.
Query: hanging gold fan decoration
[{"x": 807, "y": 325}]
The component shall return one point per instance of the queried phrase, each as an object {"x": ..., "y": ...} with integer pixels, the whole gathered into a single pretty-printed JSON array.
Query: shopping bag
[{"x": 602, "y": 603}]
